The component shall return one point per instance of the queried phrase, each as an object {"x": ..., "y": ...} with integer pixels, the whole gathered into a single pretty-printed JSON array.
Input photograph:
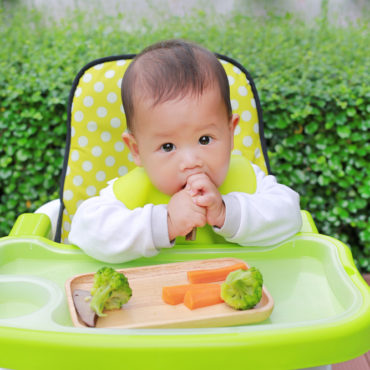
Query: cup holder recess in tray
[{"x": 22, "y": 296}]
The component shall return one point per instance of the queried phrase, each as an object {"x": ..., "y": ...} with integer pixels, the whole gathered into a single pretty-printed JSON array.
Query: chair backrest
[{"x": 95, "y": 152}]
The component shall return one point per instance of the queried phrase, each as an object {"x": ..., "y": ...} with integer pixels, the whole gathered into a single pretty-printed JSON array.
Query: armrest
[
  {"x": 31, "y": 224},
  {"x": 308, "y": 224},
  {"x": 51, "y": 209}
]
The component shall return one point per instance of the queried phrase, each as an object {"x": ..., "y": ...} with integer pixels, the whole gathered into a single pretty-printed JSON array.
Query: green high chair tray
[{"x": 321, "y": 309}]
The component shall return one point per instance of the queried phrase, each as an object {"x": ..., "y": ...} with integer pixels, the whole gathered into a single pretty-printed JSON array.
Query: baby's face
[{"x": 179, "y": 138}]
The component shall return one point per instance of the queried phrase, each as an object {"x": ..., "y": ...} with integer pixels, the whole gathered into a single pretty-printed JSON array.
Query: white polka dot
[
  {"x": 73, "y": 131},
  {"x": 98, "y": 66},
  {"x": 247, "y": 81},
  {"x": 78, "y": 92},
  {"x": 88, "y": 101},
  {"x": 115, "y": 122},
  {"x": 237, "y": 70},
  {"x": 66, "y": 226},
  {"x": 129, "y": 157},
  {"x": 234, "y": 104},
  {"x": 110, "y": 161},
  {"x": 257, "y": 153},
  {"x": 223, "y": 61},
  {"x": 109, "y": 74},
  {"x": 87, "y": 77},
  {"x": 236, "y": 152},
  {"x": 253, "y": 103},
  {"x": 121, "y": 62},
  {"x": 247, "y": 141},
  {"x": 90, "y": 190},
  {"x": 100, "y": 176},
  {"x": 96, "y": 151},
  {"x": 78, "y": 180},
  {"x": 256, "y": 128},
  {"x": 68, "y": 170},
  {"x": 99, "y": 87},
  {"x": 105, "y": 136},
  {"x": 246, "y": 116},
  {"x": 237, "y": 130},
  {"x": 68, "y": 194},
  {"x": 101, "y": 112},
  {"x": 83, "y": 141},
  {"x": 75, "y": 155},
  {"x": 79, "y": 116},
  {"x": 122, "y": 109},
  {"x": 242, "y": 90},
  {"x": 119, "y": 83},
  {"x": 119, "y": 146},
  {"x": 87, "y": 166},
  {"x": 122, "y": 170},
  {"x": 231, "y": 80},
  {"x": 112, "y": 97},
  {"x": 92, "y": 126}
]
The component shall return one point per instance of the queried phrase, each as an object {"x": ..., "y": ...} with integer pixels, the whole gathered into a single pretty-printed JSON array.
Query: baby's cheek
[
  {"x": 167, "y": 185},
  {"x": 220, "y": 176}
]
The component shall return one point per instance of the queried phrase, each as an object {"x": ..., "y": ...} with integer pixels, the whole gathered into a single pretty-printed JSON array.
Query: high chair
[{"x": 321, "y": 311}]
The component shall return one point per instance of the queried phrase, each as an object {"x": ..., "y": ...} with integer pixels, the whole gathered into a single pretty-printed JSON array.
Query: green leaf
[
  {"x": 22, "y": 155},
  {"x": 311, "y": 128},
  {"x": 344, "y": 132}
]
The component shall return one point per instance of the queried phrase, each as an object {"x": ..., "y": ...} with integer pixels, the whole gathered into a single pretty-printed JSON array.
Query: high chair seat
[{"x": 95, "y": 152}]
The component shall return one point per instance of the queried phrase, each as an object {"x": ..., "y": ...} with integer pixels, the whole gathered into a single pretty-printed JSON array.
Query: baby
[{"x": 180, "y": 130}]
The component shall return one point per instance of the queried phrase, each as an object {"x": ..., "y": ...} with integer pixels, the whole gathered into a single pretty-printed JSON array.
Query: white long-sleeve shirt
[{"x": 105, "y": 229}]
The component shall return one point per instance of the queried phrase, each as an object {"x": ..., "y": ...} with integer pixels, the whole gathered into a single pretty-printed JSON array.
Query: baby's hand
[
  {"x": 183, "y": 214},
  {"x": 206, "y": 194}
]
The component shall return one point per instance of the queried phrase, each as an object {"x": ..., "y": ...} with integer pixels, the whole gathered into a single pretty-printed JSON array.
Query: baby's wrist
[{"x": 219, "y": 222}]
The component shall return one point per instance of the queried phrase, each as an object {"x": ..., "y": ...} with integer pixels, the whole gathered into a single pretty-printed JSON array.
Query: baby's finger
[
  {"x": 199, "y": 220},
  {"x": 204, "y": 200},
  {"x": 199, "y": 184}
]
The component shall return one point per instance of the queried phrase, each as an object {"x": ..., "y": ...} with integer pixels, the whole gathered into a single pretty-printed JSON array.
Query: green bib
[{"x": 135, "y": 190}]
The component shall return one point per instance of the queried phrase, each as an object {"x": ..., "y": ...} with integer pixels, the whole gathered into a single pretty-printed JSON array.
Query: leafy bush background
[{"x": 313, "y": 82}]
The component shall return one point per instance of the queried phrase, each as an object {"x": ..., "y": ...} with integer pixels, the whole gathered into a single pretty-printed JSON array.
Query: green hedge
[{"x": 313, "y": 83}]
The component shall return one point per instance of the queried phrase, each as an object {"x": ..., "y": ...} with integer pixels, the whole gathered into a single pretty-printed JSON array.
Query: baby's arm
[
  {"x": 105, "y": 229},
  {"x": 269, "y": 216}
]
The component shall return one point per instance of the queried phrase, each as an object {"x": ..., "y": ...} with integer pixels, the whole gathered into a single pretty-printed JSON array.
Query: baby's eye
[
  {"x": 205, "y": 140},
  {"x": 168, "y": 147}
]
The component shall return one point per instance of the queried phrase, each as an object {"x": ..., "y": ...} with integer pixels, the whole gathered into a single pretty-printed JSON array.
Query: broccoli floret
[
  {"x": 242, "y": 289},
  {"x": 110, "y": 290}
]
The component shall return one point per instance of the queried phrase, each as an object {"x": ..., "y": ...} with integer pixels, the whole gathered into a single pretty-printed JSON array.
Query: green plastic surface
[
  {"x": 31, "y": 224},
  {"x": 321, "y": 313}
]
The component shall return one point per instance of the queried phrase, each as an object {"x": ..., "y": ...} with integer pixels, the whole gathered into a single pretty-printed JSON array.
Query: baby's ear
[
  {"x": 131, "y": 142},
  {"x": 234, "y": 120}
]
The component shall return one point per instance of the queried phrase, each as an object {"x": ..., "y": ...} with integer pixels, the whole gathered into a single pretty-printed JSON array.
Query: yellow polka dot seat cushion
[{"x": 95, "y": 152}]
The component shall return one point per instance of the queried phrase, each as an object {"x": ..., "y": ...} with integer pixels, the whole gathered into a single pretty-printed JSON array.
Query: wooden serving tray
[{"x": 146, "y": 308}]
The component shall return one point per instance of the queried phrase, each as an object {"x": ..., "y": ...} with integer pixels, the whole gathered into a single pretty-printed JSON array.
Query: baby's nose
[{"x": 189, "y": 160}]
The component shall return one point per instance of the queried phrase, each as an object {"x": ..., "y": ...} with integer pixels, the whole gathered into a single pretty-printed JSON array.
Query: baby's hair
[{"x": 171, "y": 70}]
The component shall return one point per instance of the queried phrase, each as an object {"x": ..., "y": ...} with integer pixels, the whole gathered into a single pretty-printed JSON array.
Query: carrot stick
[
  {"x": 211, "y": 275},
  {"x": 197, "y": 297},
  {"x": 175, "y": 294}
]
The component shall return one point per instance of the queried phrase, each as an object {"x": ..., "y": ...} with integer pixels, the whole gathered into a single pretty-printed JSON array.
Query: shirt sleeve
[
  {"x": 105, "y": 229},
  {"x": 267, "y": 217}
]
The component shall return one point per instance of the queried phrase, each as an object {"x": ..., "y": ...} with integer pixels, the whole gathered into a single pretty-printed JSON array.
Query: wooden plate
[{"x": 147, "y": 310}]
